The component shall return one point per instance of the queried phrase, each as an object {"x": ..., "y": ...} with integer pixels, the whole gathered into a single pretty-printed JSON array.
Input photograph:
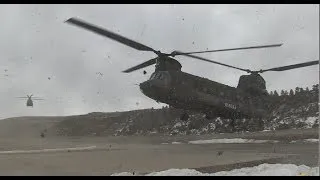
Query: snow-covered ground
[
  {"x": 307, "y": 140},
  {"x": 48, "y": 150},
  {"x": 312, "y": 140},
  {"x": 236, "y": 140},
  {"x": 239, "y": 140},
  {"x": 261, "y": 170}
]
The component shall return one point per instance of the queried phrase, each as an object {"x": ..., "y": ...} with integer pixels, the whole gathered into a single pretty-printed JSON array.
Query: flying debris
[{"x": 99, "y": 73}]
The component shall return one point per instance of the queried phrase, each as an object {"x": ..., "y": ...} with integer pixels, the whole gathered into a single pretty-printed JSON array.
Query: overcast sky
[{"x": 37, "y": 45}]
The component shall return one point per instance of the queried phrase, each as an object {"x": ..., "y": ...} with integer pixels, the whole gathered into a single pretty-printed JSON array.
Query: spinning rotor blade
[
  {"x": 289, "y": 67},
  {"x": 176, "y": 53},
  {"x": 37, "y": 99},
  {"x": 22, "y": 97},
  {"x": 142, "y": 65},
  {"x": 215, "y": 62},
  {"x": 109, "y": 34}
]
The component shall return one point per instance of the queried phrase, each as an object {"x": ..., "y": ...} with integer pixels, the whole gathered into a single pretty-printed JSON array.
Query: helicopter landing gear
[{"x": 184, "y": 116}]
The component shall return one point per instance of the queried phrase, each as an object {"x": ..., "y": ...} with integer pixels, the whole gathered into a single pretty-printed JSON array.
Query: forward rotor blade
[
  {"x": 175, "y": 53},
  {"x": 215, "y": 62},
  {"x": 289, "y": 67},
  {"x": 109, "y": 34},
  {"x": 22, "y": 97},
  {"x": 142, "y": 65}
]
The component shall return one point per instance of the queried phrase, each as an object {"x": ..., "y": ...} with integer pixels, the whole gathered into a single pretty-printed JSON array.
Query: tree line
[{"x": 298, "y": 96}]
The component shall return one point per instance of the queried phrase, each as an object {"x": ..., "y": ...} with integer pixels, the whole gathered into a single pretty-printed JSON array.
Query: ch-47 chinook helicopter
[
  {"x": 29, "y": 102},
  {"x": 169, "y": 85}
]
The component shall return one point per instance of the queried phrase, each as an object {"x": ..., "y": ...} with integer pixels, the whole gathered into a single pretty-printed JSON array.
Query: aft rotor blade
[
  {"x": 37, "y": 98},
  {"x": 175, "y": 53},
  {"x": 22, "y": 97},
  {"x": 215, "y": 62},
  {"x": 142, "y": 65},
  {"x": 289, "y": 67},
  {"x": 109, "y": 34}
]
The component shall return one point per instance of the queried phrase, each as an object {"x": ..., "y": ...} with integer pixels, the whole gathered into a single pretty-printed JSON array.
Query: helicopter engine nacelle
[{"x": 253, "y": 84}]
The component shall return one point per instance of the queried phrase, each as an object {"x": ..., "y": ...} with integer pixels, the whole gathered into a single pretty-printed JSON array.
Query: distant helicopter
[{"x": 30, "y": 101}]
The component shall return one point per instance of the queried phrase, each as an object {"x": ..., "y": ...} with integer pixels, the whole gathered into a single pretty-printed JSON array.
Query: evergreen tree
[
  {"x": 282, "y": 93},
  {"x": 315, "y": 88},
  {"x": 297, "y": 90},
  {"x": 271, "y": 93},
  {"x": 307, "y": 90},
  {"x": 275, "y": 93},
  {"x": 291, "y": 93},
  {"x": 286, "y": 93},
  {"x": 301, "y": 90}
]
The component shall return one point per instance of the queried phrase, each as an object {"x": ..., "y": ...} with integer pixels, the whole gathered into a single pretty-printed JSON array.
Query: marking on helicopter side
[{"x": 232, "y": 106}]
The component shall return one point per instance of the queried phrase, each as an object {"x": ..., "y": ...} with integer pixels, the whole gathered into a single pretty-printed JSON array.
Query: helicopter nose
[{"x": 145, "y": 86}]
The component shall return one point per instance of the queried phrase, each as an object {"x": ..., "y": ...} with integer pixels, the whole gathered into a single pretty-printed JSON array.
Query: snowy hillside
[
  {"x": 294, "y": 111},
  {"x": 261, "y": 170}
]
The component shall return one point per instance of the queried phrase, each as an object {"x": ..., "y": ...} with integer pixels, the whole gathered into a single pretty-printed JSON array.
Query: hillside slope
[{"x": 290, "y": 111}]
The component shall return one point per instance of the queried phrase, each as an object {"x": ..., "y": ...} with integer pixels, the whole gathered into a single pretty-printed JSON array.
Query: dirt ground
[{"x": 110, "y": 155}]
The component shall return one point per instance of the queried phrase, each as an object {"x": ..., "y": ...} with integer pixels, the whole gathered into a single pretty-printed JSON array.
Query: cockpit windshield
[
  {"x": 157, "y": 75},
  {"x": 160, "y": 75}
]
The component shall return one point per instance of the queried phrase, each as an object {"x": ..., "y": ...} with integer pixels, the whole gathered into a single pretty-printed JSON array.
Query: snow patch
[
  {"x": 225, "y": 141},
  {"x": 176, "y": 143},
  {"x": 48, "y": 150},
  {"x": 260, "y": 170},
  {"x": 123, "y": 174},
  {"x": 311, "y": 121},
  {"x": 178, "y": 124},
  {"x": 312, "y": 140}
]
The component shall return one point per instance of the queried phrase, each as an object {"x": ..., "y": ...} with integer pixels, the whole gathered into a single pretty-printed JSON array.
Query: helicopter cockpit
[
  {"x": 157, "y": 86},
  {"x": 162, "y": 76}
]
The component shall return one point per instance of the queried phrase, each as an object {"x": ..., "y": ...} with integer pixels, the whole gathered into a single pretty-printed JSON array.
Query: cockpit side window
[
  {"x": 153, "y": 76},
  {"x": 163, "y": 76},
  {"x": 157, "y": 75}
]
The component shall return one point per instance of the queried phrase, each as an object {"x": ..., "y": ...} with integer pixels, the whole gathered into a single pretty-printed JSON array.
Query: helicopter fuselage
[
  {"x": 186, "y": 91},
  {"x": 182, "y": 90},
  {"x": 29, "y": 103}
]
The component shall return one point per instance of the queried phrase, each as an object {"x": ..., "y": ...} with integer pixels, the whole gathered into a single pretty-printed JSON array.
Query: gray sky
[{"x": 36, "y": 44}]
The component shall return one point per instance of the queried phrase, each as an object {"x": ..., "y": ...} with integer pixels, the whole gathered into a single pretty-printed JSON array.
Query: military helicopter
[
  {"x": 30, "y": 101},
  {"x": 169, "y": 85}
]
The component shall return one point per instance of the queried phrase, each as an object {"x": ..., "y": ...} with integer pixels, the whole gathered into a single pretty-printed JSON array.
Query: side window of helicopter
[{"x": 153, "y": 76}]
